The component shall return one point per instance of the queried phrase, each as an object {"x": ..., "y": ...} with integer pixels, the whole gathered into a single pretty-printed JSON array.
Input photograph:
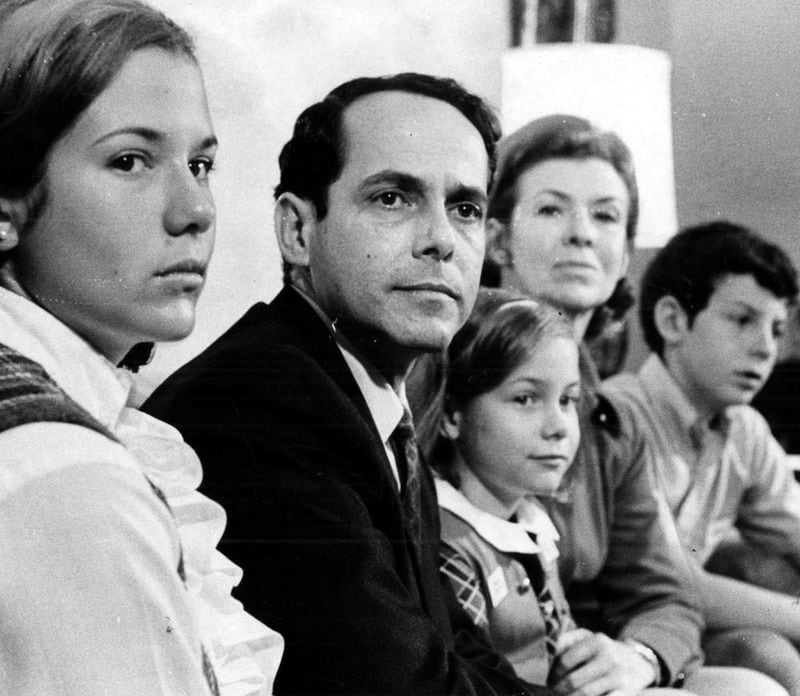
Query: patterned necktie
[
  {"x": 556, "y": 616},
  {"x": 557, "y": 619},
  {"x": 404, "y": 443}
]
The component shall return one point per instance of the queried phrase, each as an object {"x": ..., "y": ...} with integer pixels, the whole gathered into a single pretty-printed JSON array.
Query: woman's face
[
  {"x": 566, "y": 238},
  {"x": 520, "y": 437},
  {"x": 120, "y": 250}
]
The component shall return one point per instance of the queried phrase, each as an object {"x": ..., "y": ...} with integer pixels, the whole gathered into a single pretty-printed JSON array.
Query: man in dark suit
[{"x": 299, "y": 411}]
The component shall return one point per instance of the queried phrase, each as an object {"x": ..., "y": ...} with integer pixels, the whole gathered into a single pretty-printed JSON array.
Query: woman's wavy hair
[{"x": 562, "y": 136}]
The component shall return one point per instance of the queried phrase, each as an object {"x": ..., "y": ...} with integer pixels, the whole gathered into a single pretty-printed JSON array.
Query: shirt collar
[
  {"x": 384, "y": 404},
  {"x": 674, "y": 405},
  {"x": 85, "y": 375},
  {"x": 659, "y": 382}
]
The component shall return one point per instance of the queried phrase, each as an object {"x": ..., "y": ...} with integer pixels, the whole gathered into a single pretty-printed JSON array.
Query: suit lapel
[
  {"x": 315, "y": 337},
  {"x": 318, "y": 341}
]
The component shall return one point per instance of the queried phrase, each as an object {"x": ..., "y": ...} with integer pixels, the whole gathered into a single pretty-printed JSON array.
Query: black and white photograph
[{"x": 399, "y": 348}]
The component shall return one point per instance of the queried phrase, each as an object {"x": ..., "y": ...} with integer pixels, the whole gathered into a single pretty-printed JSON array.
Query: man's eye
[
  {"x": 468, "y": 211},
  {"x": 391, "y": 199},
  {"x": 128, "y": 163}
]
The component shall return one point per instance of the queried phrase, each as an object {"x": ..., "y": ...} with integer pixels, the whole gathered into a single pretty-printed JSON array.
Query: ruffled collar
[{"x": 244, "y": 651}]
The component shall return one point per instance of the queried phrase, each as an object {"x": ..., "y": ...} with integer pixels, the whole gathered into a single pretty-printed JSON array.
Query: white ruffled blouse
[{"x": 245, "y": 653}]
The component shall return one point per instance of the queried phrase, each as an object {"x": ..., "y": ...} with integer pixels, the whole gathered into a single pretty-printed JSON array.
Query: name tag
[{"x": 498, "y": 588}]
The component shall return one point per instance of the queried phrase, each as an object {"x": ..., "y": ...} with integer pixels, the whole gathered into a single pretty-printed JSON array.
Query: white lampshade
[{"x": 625, "y": 89}]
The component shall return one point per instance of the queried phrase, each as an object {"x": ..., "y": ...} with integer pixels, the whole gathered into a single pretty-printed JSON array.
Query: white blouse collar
[{"x": 506, "y": 536}]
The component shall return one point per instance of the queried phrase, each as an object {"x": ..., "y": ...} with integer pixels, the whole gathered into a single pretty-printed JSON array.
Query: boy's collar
[
  {"x": 659, "y": 382},
  {"x": 718, "y": 424}
]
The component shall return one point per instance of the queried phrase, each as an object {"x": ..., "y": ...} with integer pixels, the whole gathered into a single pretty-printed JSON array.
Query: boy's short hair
[{"x": 692, "y": 263}]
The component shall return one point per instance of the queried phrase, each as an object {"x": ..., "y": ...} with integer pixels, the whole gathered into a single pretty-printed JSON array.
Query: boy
[{"x": 713, "y": 306}]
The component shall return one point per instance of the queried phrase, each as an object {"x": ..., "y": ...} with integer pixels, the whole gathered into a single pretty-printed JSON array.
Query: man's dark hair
[
  {"x": 693, "y": 262},
  {"x": 315, "y": 156}
]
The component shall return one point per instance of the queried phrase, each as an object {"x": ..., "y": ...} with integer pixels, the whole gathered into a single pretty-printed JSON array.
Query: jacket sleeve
[
  {"x": 646, "y": 586},
  {"x": 308, "y": 510}
]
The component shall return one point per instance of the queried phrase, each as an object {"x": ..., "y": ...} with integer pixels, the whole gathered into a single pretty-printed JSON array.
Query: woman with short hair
[{"x": 106, "y": 230}]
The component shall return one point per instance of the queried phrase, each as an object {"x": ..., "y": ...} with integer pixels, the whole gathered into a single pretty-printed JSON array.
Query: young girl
[
  {"x": 106, "y": 229},
  {"x": 508, "y": 433}
]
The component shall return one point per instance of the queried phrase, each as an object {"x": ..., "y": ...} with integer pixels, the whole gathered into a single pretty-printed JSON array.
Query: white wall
[
  {"x": 736, "y": 108},
  {"x": 737, "y": 113}
]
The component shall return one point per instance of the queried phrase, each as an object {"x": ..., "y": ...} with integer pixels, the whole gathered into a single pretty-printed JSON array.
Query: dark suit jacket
[{"x": 314, "y": 517}]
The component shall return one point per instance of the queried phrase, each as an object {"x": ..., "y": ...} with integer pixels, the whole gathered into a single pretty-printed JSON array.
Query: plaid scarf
[{"x": 29, "y": 395}]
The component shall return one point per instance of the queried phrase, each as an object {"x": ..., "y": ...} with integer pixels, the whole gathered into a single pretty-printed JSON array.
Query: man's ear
[
  {"x": 671, "y": 320},
  {"x": 295, "y": 222},
  {"x": 498, "y": 248},
  {"x": 451, "y": 423},
  {"x": 9, "y": 227}
]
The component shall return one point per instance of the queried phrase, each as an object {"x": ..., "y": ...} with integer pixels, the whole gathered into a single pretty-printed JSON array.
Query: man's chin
[{"x": 430, "y": 340}]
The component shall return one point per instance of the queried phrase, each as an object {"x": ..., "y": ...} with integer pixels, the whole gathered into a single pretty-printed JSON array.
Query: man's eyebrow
[
  {"x": 392, "y": 177},
  {"x": 746, "y": 306},
  {"x": 474, "y": 194}
]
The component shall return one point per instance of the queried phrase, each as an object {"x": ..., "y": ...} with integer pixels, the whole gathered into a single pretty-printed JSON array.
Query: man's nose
[{"x": 436, "y": 237}]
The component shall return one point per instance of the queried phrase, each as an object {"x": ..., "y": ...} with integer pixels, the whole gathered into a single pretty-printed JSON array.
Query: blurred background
[{"x": 710, "y": 103}]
